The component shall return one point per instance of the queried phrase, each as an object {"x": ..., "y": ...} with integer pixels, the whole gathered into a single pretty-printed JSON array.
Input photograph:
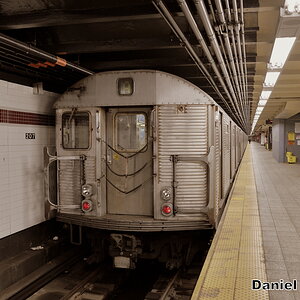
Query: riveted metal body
[{"x": 159, "y": 135}]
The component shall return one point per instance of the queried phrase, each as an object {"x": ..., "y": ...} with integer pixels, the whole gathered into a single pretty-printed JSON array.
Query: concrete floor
[{"x": 278, "y": 195}]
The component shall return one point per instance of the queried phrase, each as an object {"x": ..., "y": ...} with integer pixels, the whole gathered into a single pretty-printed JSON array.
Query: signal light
[
  {"x": 166, "y": 193},
  {"x": 166, "y": 210},
  {"x": 87, "y": 190},
  {"x": 86, "y": 205}
]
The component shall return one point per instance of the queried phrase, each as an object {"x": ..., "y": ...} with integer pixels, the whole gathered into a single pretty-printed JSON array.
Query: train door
[
  {"x": 233, "y": 150},
  {"x": 230, "y": 148},
  {"x": 226, "y": 161},
  {"x": 129, "y": 162},
  {"x": 218, "y": 163},
  {"x": 221, "y": 154}
]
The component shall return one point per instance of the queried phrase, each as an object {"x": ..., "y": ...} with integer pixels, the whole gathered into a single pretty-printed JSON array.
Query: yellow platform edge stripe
[{"x": 236, "y": 254}]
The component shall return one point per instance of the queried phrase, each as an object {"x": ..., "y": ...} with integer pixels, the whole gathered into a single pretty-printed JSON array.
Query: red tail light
[
  {"x": 86, "y": 205},
  {"x": 166, "y": 209}
]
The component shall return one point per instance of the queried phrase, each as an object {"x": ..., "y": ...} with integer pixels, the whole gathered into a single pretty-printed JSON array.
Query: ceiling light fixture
[
  {"x": 271, "y": 78},
  {"x": 292, "y": 6},
  {"x": 281, "y": 50},
  {"x": 262, "y": 102},
  {"x": 265, "y": 95}
]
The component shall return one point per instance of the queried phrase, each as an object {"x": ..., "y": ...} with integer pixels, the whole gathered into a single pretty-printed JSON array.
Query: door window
[
  {"x": 76, "y": 130},
  {"x": 131, "y": 131}
]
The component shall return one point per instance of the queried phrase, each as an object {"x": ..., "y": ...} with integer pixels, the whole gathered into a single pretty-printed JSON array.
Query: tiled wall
[
  {"x": 21, "y": 159},
  {"x": 19, "y": 117}
]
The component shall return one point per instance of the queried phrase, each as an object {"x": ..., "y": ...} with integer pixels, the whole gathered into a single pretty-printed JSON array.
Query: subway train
[{"x": 146, "y": 158}]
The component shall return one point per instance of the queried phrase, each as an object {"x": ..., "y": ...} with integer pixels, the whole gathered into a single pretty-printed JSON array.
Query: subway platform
[{"x": 259, "y": 235}]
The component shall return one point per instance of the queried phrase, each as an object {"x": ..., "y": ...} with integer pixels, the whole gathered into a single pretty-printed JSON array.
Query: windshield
[{"x": 75, "y": 126}]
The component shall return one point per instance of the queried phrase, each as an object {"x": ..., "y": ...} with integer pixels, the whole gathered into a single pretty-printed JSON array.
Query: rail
[{"x": 25, "y": 287}]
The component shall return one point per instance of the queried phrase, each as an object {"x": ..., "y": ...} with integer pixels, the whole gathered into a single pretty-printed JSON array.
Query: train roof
[{"x": 151, "y": 87}]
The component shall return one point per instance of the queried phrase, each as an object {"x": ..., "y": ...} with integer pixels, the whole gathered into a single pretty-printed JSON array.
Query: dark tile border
[{"x": 19, "y": 117}]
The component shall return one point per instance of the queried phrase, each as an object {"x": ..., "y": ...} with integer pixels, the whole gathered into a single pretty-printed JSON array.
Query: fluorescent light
[
  {"x": 259, "y": 109},
  {"x": 262, "y": 102},
  {"x": 291, "y": 2},
  {"x": 281, "y": 51},
  {"x": 271, "y": 78},
  {"x": 291, "y": 5},
  {"x": 265, "y": 95}
]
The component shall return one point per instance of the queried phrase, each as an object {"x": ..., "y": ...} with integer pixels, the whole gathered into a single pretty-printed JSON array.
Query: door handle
[{"x": 108, "y": 156}]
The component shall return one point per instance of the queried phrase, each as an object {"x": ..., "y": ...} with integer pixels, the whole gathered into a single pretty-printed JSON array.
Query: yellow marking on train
[{"x": 236, "y": 255}]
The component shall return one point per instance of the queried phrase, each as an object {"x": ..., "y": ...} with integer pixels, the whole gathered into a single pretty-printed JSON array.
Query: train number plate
[{"x": 30, "y": 136}]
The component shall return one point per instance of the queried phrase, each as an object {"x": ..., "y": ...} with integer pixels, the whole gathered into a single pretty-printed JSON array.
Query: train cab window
[
  {"x": 131, "y": 131},
  {"x": 76, "y": 130}
]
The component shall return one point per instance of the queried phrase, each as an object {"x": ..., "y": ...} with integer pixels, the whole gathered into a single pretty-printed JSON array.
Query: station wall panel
[{"x": 26, "y": 126}]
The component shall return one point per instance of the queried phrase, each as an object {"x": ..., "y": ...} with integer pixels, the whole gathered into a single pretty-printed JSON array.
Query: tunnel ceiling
[{"x": 113, "y": 35}]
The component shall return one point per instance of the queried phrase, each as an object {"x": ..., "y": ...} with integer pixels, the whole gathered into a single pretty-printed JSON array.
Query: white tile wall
[
  {"x": 21, "y": 160},
  {"x": 18, "y": 97}
]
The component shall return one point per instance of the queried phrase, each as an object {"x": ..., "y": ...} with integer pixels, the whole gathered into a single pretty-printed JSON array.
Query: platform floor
[{"x": 259, "y": 236}]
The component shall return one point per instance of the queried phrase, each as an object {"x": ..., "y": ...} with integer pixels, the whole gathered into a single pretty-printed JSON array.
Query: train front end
[{"x": 136, "y": 156}]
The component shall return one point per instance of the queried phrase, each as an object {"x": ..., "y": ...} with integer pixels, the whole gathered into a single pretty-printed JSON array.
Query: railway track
[
  {"x": 177, "y": 286},
  {"x": 71, "y": 277},
  {"x": 25, "y": 287},
  {"x": 79, "y": 282}
]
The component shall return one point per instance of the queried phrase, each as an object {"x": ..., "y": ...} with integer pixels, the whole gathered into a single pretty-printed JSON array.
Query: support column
[{"x": 278, "y": 142}]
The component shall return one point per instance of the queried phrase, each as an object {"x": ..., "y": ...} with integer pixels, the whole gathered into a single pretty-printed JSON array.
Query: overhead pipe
[
  {"x": 220, "y": 12},
  {"x": 237, "y": 27},
  {"x": 235, "y": 55},
  {"x": 159, "y": 5},
  {"x": 212, "y": 11},
  {"x": 239, "y": 65},
  {"x": 233, "y": 66},
  {"x": 49, "y": 58},
  {"x": 218, "y": 31},
  {"x": 223, "y": 24},
  {"x": 205, "y": 19},
  {"x": 236, "y": 60},
  {"x": 202, "y": 12},
  {"x": 202, "y": 43},
  {"x": 226, "y": 38},
  {"x": 245, "y": 60}
]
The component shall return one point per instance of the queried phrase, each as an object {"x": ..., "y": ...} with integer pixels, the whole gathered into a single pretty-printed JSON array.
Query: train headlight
[
  {"x": 167, "y": 210},
  {"x": 125, "y": 86},
  {"x": 86, "y": 205},
  {"x": 87, "y": 190},
  {"x": 166, "y": 193}
]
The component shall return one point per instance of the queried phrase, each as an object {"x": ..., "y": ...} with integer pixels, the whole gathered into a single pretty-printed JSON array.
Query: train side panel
[{"x": 181, "y": 143}]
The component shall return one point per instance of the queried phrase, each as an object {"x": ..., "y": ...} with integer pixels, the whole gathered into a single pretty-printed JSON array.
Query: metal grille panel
[
  {"x": 70, "y": 182},
  {"x": 182, "y": 131},
  {"x": 90, "y": 169},
  {"x": 71, "y": 176}
]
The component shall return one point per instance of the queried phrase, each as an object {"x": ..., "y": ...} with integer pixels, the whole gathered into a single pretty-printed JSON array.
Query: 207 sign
[{"x": 30, "y": 136}]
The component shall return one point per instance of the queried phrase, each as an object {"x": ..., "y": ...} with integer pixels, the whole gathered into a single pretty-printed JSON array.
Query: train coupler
[
  {"x": 75, "y": 234},
  {"x": 125, "y": 250}
]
